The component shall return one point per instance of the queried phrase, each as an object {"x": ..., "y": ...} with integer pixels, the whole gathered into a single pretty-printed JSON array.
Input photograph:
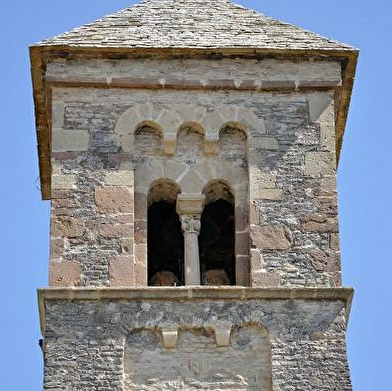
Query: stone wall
[
  {"x": 283, "y": 183},
  {"x": 202, "y": 343}
]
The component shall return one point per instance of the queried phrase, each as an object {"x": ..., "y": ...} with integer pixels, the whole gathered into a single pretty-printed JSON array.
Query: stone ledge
[{"x": 193, "y": 293}]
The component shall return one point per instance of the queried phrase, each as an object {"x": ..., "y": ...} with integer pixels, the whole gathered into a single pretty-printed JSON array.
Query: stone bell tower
[{"x": 189, "y": 149}]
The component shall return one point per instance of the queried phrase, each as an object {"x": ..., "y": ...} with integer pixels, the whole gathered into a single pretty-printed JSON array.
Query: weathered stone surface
[
  {"x": 67, "y": 227},
  {"x": 271, "y": 194},
  {"x": 335, "y": 242},
  {"x": 263, "y": 280},
  {"x": 70, "y": 140},
  {"x": 121, "y": 271},
  {"x": 319, "y": 163},
  {"x": 64, "y": 273},
  {"x": 116, "y": 230},
  {"x": 128, "y": 342},
  {"x": 63, "y": 182},
  {"x": 320, "y": 223},
  {"x": 119, "y": 178},
  {"x": 270, "y": 237},
  {"x": 56, "y": 248},
  {"x": 114, "y": 199}
]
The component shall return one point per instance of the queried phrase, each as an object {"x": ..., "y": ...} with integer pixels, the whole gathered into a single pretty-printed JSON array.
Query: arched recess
[
  {"x": 190, "y": 142},
  {"x": 233, "y": 145},
  {"x": 148, "y": 140},
  {"x": 165, "y": 243},
  {"x": 217, "y": 234}
]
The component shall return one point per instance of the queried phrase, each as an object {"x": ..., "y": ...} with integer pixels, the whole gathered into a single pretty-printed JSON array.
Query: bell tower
[{"x": 190, "y": 159}]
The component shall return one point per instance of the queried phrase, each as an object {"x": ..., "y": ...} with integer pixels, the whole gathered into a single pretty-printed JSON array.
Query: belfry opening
[
  {"x": 217, "y": 235},
  {"x": 165, "y": 242}
]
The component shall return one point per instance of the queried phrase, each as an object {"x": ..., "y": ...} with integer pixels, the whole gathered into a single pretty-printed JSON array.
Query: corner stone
[{"x": 270, "y": 237}]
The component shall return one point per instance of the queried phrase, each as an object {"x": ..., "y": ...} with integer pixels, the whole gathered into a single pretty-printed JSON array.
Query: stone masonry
[{"x": 129, "y": 122}]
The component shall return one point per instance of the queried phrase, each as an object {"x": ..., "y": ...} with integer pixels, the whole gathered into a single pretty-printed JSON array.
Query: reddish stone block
[
  {"x": 221, "y": 83},
  {"x": 67, "y": 227},
  {"x": 64, "y": 273},
  {"x": 270, "y": 237},
  {"x": 114, "y": 199},
  {"x": 116, "y": 230},
  {"x": 241, "y": 219},
  {"x": 127, "y": 245},
  {"x": 121, "y": 271},
  {"x": 320, "y": 223},
  {"x": 278, "y": 85},
  {"x": 242, "y": 244},
  {"x": 242, "y": 270},
  {"x": 265, "y": 280},
  {"x": 56, "y": 248},
  {"x": 248, "y": 84}
]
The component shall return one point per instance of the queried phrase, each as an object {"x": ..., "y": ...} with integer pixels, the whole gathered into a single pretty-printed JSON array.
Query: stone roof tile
[{"x": 192, "y": 24}]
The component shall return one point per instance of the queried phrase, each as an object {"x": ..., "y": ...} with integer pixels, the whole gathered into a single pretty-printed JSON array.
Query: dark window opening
[
  {"x": 165, "y": 244},
  {"x": 217, "y": 243}
]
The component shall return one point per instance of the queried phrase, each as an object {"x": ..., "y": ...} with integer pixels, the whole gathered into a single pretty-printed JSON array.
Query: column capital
[
  {"x": 190, "y": 223},
  {"x": 190, "y": 204}
]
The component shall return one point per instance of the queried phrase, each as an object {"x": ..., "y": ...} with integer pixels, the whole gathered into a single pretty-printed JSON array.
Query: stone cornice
[{"x": 193, "y": 293}]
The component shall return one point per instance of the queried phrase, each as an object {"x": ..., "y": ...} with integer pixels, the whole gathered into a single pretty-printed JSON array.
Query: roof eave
[{"x": 40, "y": 55}]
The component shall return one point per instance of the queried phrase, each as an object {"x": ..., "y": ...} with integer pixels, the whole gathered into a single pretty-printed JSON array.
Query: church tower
[{"x": 189, "y": 150}]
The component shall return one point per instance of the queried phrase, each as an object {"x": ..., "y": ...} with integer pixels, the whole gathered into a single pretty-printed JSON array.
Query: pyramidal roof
[{"x": 192, "y": 24}]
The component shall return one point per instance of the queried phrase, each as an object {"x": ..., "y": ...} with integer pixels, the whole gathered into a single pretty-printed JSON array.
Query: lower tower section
[{"x": 195, "y": 339}]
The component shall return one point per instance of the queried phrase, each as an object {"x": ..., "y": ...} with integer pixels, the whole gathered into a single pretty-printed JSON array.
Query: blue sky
[{"x": 364, "y": 177}]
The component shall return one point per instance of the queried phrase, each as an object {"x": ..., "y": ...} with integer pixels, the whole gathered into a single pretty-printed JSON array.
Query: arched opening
[
  {"x": 165, "y": 243},
  {"x": 217, "y": 236}
]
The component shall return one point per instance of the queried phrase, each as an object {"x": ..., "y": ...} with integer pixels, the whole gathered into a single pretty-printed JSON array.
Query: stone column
[{"x": 189, "y": 208}]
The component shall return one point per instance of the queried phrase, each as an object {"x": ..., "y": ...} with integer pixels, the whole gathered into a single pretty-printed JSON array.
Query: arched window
[
  {"x": 217, "y": 235},
  {"x": 165, "y": 243}
]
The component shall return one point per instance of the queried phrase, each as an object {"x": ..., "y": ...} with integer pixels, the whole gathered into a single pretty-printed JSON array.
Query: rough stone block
[
  {"x": 126, "y": 245},
  {"x": 70, "y": 140},
  {"x": 64, "y": 273},
  {"x": 119, "y": 178},
  {"x": 56, "y": 248},
  {"x": 319, "y": 163},
  {"x": 121, "y": 271},
  {"x": 320, "y": 223},
  {"x": 271, "y": 194},
  {"x": 256, "y": 260},
  {"x": 318, "y": 103},
  {"x": 242, "y": 243},
  {"x": 270, "y": 237},
  {"x": 265, "y": 280},
  {"x": 116, "y": 230},
  {"x": 328, "y": 185},
  {"x": 334, "y": 242},
  {"x": 241, "y": 219},
  {"x": 114, "y": 199},
  {"x": 266, "y": 180},
  {"x": 63, "y": 182},
  {"x": 67, "y": 227}
]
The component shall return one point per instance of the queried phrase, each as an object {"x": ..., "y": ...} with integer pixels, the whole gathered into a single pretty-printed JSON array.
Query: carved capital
[{"x": 190, "y": 223}]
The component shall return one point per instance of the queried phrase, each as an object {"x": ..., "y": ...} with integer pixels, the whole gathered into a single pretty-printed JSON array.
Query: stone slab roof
[{"x": 192, "y": 24}]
